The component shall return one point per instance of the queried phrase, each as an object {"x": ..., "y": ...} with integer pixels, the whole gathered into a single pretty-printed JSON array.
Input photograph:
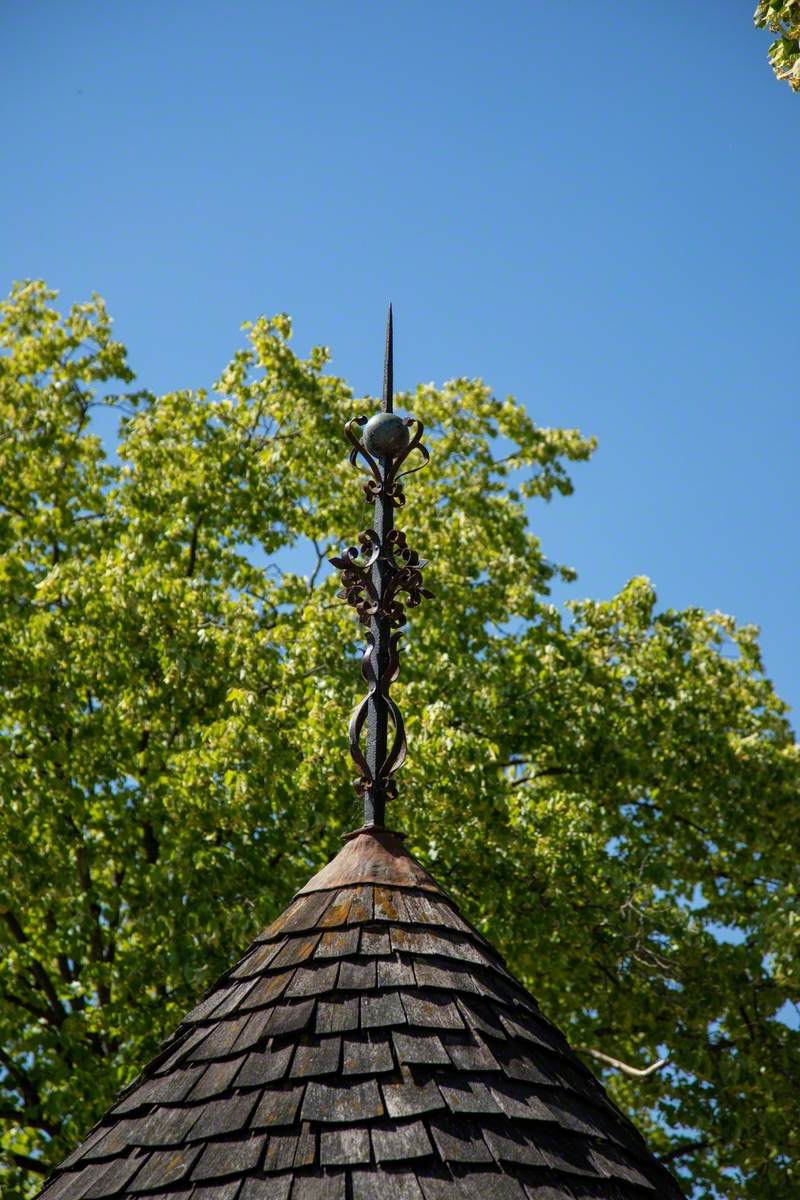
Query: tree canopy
[
  {"x": 609, "y": 792},
  {"x": 782, "y": 17}
]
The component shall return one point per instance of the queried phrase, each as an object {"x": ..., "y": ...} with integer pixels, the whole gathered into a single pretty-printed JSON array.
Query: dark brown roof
[{"x": 370, "y": 1045}]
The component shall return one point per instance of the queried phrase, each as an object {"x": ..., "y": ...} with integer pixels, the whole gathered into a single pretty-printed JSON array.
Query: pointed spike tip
[{"x": 388, "y": 366}]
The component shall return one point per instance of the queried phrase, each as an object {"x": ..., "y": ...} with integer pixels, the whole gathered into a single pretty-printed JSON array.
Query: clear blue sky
[{"x": 592, "y": 206}]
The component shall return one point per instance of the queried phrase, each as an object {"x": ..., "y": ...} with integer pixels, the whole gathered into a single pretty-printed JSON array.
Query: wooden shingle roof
[{"x": 370, "y": 1045}]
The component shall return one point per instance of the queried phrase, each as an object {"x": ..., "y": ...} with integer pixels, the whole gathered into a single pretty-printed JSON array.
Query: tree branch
[
  {"x": 21, "y": 1080},
  {"x": 633, "y": 1072},
  {"x": 680, "y": 1151},
  {"x": 321, "y": 558},
  {"x": 114, "y": 919},
  {"x": 43, "y": 980},
  {"x": 193, "y": 546},
  {"x": 17, "y": 512},
  {"x": 28, "y": 1163},
  {"x": 41, "y": 1014},
  {"x": 545, "y": 772},
  {"x": 152, "y": 848},
  {"x": 20, "y": 1117},
  {"x": 651, "y": 804},
  {"x": 96, "y": 946}
]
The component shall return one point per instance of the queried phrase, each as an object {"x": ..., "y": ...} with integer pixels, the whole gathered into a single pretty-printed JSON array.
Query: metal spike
[{"x": 388, "y": 367}]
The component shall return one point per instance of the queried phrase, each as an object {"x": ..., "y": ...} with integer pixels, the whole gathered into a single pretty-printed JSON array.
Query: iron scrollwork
[
  {"x": 402, "y": 573},
  {"x": 356, "y": 576},
  {"x": 386, "y": 485},
  {"x": 378, "y": 691}
]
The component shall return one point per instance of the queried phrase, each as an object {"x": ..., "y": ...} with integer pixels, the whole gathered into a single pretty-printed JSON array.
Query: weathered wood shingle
[{"x": 370, "y": 1045}]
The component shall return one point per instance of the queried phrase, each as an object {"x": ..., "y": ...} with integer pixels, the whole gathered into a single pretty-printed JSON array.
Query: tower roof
[{"x": 370, "y": 1045}]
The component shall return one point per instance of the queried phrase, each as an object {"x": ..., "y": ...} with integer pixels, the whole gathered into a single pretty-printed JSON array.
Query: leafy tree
[
  {"x": 782, "y": 17},
  {"x": 609, "y": 793}
]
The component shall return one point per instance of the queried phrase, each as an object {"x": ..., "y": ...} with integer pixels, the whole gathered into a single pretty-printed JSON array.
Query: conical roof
[{"x": 370, "y": 1045}]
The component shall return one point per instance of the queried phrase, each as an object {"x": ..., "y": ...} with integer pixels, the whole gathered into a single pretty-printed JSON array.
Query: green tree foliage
[
  {"x": 610, "y": 793},
  {"x": 782, "y": 17}
]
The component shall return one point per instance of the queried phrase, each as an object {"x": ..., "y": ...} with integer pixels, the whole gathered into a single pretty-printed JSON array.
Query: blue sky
[{"x": 592, "y": 206}]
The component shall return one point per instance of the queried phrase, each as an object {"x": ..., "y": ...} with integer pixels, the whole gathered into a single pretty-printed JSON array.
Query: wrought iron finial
[
  {"x": 387, "y": 440},
  {"x": 374, "y": 574}
]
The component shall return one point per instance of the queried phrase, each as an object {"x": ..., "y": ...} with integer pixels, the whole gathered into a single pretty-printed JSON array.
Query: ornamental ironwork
[{"x": 381, "y": 576}]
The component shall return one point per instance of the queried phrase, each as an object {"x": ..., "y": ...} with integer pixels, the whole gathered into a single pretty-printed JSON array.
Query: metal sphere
[{"x": 386, "y": 434}]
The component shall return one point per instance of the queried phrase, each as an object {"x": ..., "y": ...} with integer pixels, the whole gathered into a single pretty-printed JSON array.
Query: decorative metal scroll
[
  {"x": 403, "y": 573},
  {"x": 386, "y": 485},
  {"x": 380, "y": 578},
  {"x": 379, "y": 692}
]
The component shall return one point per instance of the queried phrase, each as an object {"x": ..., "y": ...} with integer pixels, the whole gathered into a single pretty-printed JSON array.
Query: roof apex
[{"x": 372, "y": 854}]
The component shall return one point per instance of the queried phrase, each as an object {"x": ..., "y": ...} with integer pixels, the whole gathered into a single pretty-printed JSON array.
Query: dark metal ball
[{"x": 385, "y": 433}]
